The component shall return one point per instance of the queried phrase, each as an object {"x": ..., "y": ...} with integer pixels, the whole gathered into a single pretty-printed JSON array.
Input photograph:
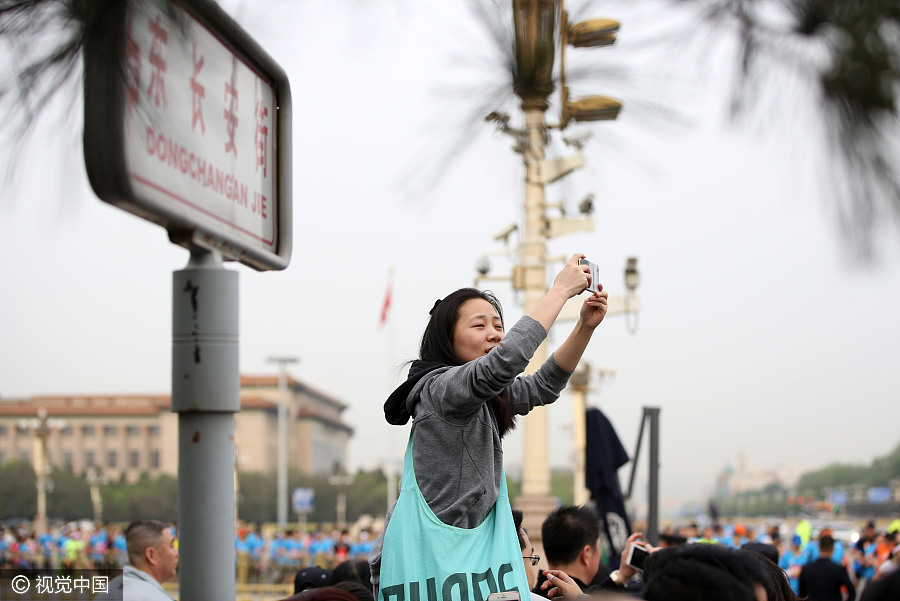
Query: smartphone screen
[{"x": 637, "y": 556}]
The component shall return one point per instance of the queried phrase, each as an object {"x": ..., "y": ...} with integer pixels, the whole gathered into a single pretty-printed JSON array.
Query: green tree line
[
  {"x": 814, "y": 484},
  {"x": 157, "y": 497},
  {"x": 879, "y": 473}
]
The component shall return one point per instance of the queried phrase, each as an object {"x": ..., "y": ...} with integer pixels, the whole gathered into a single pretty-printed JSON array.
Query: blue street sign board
[
  {"x": 302, "y": 500},
  {"x": 879, "y": 495}
]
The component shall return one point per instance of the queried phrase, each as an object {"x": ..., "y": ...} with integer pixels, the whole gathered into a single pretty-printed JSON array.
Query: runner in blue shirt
[{"x": 792, "y": 561}]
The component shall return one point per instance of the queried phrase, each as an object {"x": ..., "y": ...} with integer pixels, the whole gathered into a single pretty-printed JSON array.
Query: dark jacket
[{"x": 822, "y": 580}]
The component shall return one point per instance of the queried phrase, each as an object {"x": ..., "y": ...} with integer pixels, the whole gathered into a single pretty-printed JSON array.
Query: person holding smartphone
[
  {"x": 463, "y": 394},
  {"x": 559, "y": 584}
]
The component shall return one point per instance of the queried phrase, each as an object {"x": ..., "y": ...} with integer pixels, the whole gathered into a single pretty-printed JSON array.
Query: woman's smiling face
[{"x": 478, "y": 329}]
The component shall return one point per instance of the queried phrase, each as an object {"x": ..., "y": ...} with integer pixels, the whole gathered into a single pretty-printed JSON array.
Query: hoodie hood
[{"x": 396, "y": 411}]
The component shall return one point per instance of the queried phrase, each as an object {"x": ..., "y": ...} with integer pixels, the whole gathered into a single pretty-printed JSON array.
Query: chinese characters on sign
[
  {"x": 57, "y": 585},
  {"x": 198, "y": 120}
]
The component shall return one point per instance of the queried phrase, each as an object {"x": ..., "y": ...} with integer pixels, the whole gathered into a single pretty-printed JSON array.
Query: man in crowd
[
  {"x": 571, "y": 539},
  {"x": 823, "y": 580},
  {"x": 153, "y": 560}
]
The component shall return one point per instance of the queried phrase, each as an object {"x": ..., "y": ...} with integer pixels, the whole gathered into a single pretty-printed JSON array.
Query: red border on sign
[{"x": 202, "y": 210}]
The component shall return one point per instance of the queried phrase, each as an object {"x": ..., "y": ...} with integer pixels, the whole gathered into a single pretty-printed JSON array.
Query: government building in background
[{"x": 129, "y": 435}]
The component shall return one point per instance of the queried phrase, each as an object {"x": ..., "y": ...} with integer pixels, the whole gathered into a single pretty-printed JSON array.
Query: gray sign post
[{"x": 188, "y": 125}]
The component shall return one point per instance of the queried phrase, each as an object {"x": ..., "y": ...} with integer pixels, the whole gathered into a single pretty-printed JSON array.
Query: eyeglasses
[{"x": 534, "y": 559}]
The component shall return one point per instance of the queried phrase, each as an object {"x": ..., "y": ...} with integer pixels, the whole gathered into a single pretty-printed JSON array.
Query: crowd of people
[
  {"x": 74, "y": 546},
  {"x": 872, "y": 555},
  {"x": 278, "y": 557},
  {"x": 779, "y": 563},
  {"x": 815, "y": 564},
  {"x": 272, "y": 557},
  {"x": 452, "y": 533}
]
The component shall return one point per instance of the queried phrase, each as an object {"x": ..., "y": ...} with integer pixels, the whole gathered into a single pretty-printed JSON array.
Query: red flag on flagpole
[{"x": 387, "y": 304}]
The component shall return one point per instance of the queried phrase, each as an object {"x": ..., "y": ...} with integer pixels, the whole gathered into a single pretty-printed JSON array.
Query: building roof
[
  {"x": 73, "y": 405},
  {"x": 335, "y": 423},
  {"x": 125, "y": 405},
  {"x": 294, "y": 384}
]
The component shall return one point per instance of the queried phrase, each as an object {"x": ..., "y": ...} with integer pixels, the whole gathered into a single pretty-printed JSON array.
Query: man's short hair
[
  {"x": 141, "y": 535},
  {"x": 826, "y": 544},
  {"x": 567, "y": 531}
]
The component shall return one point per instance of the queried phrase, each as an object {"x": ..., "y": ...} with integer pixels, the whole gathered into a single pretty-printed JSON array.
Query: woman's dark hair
[
  {"x": 778, "y": 587},
  {"x": 437, "y": 344},
  {"x": 518, "y": 518},
  {"x": 702, "y": 572},
  {"x": 323, "y": 593},
  {"x": 356, "y": 570},
  {"x": 357, "y": 589}
]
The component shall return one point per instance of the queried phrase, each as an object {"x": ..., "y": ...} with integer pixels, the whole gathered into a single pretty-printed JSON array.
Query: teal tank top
[{"x": 424, "y": 559}]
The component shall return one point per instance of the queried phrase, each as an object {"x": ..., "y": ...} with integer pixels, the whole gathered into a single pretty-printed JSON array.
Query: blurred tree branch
[{"x": 851, "y": 51}]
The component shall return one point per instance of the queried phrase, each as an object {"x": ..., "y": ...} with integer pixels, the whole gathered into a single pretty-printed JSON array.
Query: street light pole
[
  {"x": 341, "y": 480},
  {"x": 95, "y": 479},
  {"x": 535, "y": 23},
  {"x": 42, "y": 427},
  {"x": 579, "y": 383},
  {"x": 282, "y": 362},
  {"x": 536, "y": 470}
]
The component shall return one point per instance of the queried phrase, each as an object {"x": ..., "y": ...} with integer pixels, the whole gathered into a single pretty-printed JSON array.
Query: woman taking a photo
[{"x": 451, "y": 527}]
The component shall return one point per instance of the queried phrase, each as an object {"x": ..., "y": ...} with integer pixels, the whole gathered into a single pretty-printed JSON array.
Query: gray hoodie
[{"x": 457, "y": 453}]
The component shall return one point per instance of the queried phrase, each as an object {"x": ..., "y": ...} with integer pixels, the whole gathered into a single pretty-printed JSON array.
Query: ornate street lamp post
[{"x": 41, "y": 427}]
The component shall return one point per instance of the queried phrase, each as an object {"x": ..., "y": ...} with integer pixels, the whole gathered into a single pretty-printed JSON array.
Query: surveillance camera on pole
[
  {"x": 483, "y": 266},
  {"x": 586, "y": 206},
  {"x": 504, "y": 234},
  {"x": 578, "y": 140}
]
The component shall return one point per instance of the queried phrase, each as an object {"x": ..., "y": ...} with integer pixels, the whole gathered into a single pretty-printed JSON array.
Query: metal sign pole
[
  {"x": 206, "y": 396},
  {"x": 172, "y": 91},
  {"x": 652, "y": 414}
]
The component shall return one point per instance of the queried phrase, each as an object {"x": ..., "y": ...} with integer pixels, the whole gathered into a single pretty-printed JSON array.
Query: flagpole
[{"x": 391, "y": 471}]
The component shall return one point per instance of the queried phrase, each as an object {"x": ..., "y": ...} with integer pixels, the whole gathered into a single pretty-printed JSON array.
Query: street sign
[
  {"x": 302, "y": 500},
  {"x": 188, "y": 125}
]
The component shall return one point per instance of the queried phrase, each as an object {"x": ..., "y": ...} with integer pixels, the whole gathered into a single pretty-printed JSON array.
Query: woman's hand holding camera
[{"x": 573, "y": 279}]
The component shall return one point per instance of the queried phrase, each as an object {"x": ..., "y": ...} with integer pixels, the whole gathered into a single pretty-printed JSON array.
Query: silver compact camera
[{"x": 595, "y": 275}]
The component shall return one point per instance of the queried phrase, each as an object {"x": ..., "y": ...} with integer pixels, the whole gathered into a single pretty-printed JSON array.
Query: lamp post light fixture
[
  {"x": 632, "y": 279},
  {"x": 535, "y": 51},
  {"x": 340, "y": 479},
  {"x": 589, "y": 108},
  {"x": 282, "y": 492},
  {"x": 95, "y": 480},
  {"x": 593, "y": 33},
  {"x": 41, "y": 427}
]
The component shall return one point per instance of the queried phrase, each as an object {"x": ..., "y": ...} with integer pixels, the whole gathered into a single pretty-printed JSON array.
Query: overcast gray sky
[{"x": 757, "y": 334}]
